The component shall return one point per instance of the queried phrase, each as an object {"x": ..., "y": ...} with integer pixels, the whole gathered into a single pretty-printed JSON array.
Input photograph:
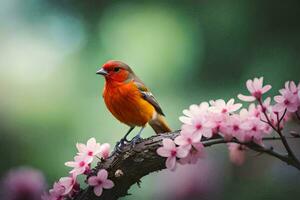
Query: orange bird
[{"x": 129, "y": 100}]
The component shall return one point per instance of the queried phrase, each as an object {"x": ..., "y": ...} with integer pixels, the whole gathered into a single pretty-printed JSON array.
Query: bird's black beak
[{"x": 102, "y": 72}]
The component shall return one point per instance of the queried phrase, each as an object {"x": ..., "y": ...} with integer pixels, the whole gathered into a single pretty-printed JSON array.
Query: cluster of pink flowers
[
  {"x": 230, "y": 120},
  {"x": 289, "y": 98},
  {"x": 68, "y": 186}
]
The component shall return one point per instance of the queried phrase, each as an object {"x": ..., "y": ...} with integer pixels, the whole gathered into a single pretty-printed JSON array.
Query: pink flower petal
[
  {"x": 257, "y": 84},
  {"x": 267, "y": 101},
  {"x": 187, "y": 128},
  {"x": 77, "y": 171},
  {"x": 292, "y": 108},
  {"x": 266, "y": 88},
  {"x": 93, "y": 181},
  {"x": 180, "y": 140},
  {"x": 102, "y": 174},
  {"x": 278, "y": 108},
  {"x": 171, "y": 163},
  {"x": 207, "y": 133},
  {"x": 237, "y": 156},
  {"x": 98, "y": 190},
  {"x": 246, "y": 125},
  {"x": 260, "y": 82},
  {"x": 71, "y": 164},
  {"x": 67, "y": 183},
  {"x": 91, "y": 142},
  {"x": 249, "y": 85},
  {"x": 80, "y": 147},
  {"x": 182, "y": 152},
  {"x": 236, "y": 107},
  {"x": 196, "y": 137},
  {"x": 230, "y": 102},
  {"x": 163, "y": 152},
  {"x": 107, "y": 184},
  {"x": 246, "y": 98},
  {"x": 199, "y": 146},
  {"x": 185, "y": 120},
  {"x": 57, "y": 190},
  {"x": 104, "y": 150},
  {"x": 279, "y": 99},
  {"x": 293, "y": 86},
  {"x": 187, "y": 112},
  {"x": 168, "y": 143}
]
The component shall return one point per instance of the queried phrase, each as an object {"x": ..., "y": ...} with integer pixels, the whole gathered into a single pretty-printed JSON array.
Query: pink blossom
[
  {"x": 254, "y": 130},
  {"x": 290, "y": 87},
  {"x": 219, "y": 112},
  {"x": 288, "y": 99},
  {"x": 104, "y": 150},
  {"x": 197, "y": 121},
  {"x": 91, "y": 149},
  {"x": 194, "y": 110},
  {"x": 57, "y": 191},
  {"x": 63, "y": 188},
  {"x": 68, "y": 184},
  {"x": 100, "y": 182},
  {"x": 247, "y": 126},
  {"x": 216, "y": 120},
  {"x": 236, "y": 153},
  {"x": 252, "y": 112},
  {"x": 80, "y": 164},
  {"x": 170, "y": 151},
  {"x": 231, "y": 127},
  {"x": 256, "y": 89},
  {"x": 200, "y": 126},
  {"x": 195, "y": 152},
  {"x": 220, "y": 106},
  {"x": 187, "y": 139},
  {"x": 237, "y": 123}
]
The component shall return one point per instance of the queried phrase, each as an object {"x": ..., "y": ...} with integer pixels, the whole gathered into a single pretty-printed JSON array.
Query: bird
[{"x": 130, "y": 101}]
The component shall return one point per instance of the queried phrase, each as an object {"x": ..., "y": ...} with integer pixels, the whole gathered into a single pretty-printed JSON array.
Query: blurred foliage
[{"x": 185, "y": 51}]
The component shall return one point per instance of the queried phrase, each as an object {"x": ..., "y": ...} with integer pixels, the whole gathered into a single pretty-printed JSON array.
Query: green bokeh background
[{"x": 185, "y": 51}]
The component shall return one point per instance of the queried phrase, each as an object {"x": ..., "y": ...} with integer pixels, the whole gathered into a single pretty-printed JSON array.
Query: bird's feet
[
  {"x": 120, "y": 145},
  {"x": 135, "y": 140}
]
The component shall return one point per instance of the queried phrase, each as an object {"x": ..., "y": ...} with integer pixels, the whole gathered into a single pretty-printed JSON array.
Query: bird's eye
[{"x": 116, "y": 69}]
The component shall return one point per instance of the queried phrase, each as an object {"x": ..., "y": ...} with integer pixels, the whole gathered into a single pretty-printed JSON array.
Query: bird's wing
[{"x": 148, "y": 96}]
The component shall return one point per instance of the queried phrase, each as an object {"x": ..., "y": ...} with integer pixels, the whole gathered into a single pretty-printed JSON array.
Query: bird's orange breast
[{"x": 126, "y": 103}]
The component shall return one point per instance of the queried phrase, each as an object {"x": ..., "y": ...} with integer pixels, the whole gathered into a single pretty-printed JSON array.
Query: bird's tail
[{"x": 159, "y": 124}]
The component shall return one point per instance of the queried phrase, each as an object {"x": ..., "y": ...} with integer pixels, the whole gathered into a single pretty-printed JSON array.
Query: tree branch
[{"x": 127, "y": 168}]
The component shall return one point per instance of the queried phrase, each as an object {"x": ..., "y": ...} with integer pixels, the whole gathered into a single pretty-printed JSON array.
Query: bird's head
[{"x": 116, "y": 71}]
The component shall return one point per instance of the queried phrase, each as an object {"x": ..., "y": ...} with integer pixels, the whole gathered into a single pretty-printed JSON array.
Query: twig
[
  {"x": 281, "y": 118},
  {"x": 278, "y": 130}
]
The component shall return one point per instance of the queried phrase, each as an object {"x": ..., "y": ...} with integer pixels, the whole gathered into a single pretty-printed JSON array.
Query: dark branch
[
  {"x": 127, "y": 168},
  {"x": 291, "y": 156}
]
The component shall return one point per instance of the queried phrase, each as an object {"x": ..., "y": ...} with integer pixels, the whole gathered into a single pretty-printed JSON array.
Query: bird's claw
[
  {"x": 120, "y": 145},
  {"x": 135, "y": 140}
]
